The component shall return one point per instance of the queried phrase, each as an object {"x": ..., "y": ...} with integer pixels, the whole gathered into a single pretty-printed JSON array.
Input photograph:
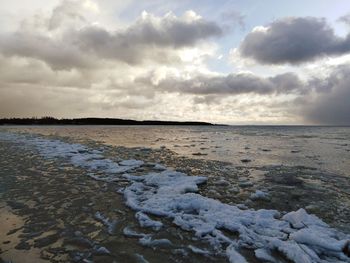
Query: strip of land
[{"x": 95, "y": 121}]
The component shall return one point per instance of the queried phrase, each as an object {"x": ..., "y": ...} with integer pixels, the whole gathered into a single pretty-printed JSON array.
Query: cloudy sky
[{"x": 223, "y": 61}]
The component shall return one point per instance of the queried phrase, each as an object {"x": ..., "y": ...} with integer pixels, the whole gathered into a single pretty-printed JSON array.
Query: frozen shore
[{"x": 296, "y": 236}]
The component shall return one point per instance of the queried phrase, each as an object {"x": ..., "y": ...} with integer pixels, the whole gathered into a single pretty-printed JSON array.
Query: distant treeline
[{"x": 91, "y": 121}]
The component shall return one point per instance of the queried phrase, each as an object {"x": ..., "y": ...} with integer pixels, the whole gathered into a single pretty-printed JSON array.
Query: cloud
[
  {"x": 331, "y": 107},
  {"x": 67, "y": 40},
  {"x": 231, "y": 84},
  {"x": 148, "y": 38},
  {"x": 56, "y": 53},
  {"x": 234, "y": 17},
  {"x": 71, "y": 11},
  {"x": 293, "y": 40},
  {"x": 345, "y": 19}
]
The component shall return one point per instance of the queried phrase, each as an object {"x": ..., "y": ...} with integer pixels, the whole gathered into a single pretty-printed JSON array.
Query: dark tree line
[{"x": 91, "y": 121}]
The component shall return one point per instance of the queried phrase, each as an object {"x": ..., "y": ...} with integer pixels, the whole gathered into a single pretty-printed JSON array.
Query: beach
[{"x": 142, "y": 194}]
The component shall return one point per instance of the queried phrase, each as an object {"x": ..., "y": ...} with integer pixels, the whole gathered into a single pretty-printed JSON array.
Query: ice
[
  {"x": 101, "y": 251},
  {"x": 147, "y": 241},
  {"x": 131, "y": 233},
  {"x": 110, "y": 224},
  {"x": 140, "y": 258},
  {"x": 173, "y": 195},
  {"x": 131, "y": 162},
  {"x": 300, "y": 219},
  {"x": 318, "y": 239},
  {"x": 159, "y": 167},
  {"x": 233, "y": 256},
  {"x": 146, "y": 221},
  {"x": 222, "y": 182},
  {"x": 199, "y": 250},
  {"x": 77, "y": 154},
  {"x": 264, "y": 255},
  {"x": 259, "y": 195}
]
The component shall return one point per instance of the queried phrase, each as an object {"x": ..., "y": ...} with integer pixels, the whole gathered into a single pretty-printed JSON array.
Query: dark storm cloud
[
  {"x": 293, "y": 40},
  {"x": 332, "y": 106},
  {"x": 149, "y": 38},
  {"x": 145, "y": 37},
  {"x": 232, "y": 84},
  {"x": 56, "y": 53}
]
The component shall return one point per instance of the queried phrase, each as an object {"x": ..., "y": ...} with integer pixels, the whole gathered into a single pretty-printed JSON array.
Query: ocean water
[{"x": 175, "y": 193}]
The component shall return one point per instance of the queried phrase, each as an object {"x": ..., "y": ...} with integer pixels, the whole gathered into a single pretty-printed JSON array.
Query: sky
[{"x": 223, "y": 61}]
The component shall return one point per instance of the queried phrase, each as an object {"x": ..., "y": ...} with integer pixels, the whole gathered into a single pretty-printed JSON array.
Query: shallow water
[
  {"x": 326, "y": 148},
  {"x": 298, "y": 167}
]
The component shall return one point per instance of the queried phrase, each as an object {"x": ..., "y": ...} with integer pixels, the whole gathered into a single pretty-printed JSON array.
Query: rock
[
  {"x": 199, "y": 154},
  {"x": 266, "y": 150},
  {"x": 79, "y": 242},
  {"x": 78, "y": 234},
  {"x": 245, "y": 184},
  {"x": 222, "y": 182},
  {"x": 16, "y": 205}
]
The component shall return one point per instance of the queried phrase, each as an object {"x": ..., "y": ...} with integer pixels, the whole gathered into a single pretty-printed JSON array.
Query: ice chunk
[
  {"x": 264, "y": 255},
  {"x": 149, "y": 242},
  {"x": 131, "y": 233},
  {"x": 259, "y": 195},
  {"x": 110, "y": 224},
  {"x": 101, "y": 251},
  {"x": 140, "y": 258},
  {"x": 132, "y": 162},
  {"x": 159, "y": 167},
  {"x": 198, "y": 250},
  {"x": 234, "y": 256},
  {"x": 300, "y": 219},
  {"x": 146, "y": 221}
]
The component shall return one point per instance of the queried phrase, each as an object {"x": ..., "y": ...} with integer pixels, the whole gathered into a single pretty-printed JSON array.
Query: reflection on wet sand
[{"x": 10, "y": 230}]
